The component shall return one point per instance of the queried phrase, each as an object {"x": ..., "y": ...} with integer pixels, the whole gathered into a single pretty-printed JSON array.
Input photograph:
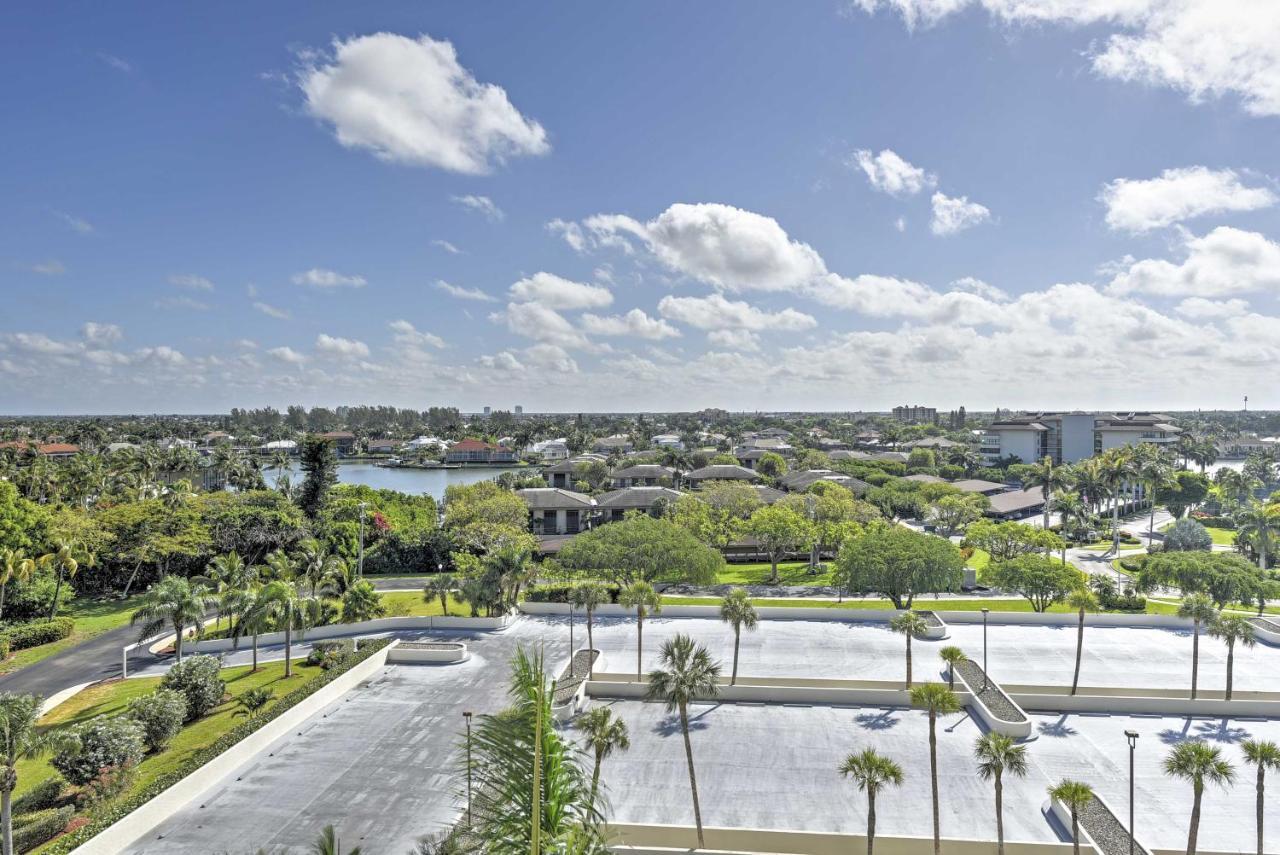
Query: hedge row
[
  {"x": 559, "y": 593},
  {"x": 24, "y": 635},
  {"x": 39, "y": 827},
  {"x": 43, "y": 795},
  {"x": 115, "y": 812},
  {"x": 1211, "y": 521}
]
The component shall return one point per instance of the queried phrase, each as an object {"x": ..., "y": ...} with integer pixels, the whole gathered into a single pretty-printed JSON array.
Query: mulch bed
[
  {"x": 572, "y": 678},
  {"x": 994, "y": 699}
]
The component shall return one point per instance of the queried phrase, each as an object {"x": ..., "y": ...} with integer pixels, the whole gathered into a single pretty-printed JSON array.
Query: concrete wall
[
  {"x": 419, "y": 655},
  {"x": 1016, "y": 729},
  {"x": 1263, "y": 632},
  {"x": 144, "y": 819},
  {"x": 842, "y": 692},
  {"x": 368, "y": 627}
]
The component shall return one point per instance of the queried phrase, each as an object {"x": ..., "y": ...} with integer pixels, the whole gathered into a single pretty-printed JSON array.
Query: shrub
[
  {"x": 43, "y": 795},
  {"x": 1187, "y": 535},
  {"x": 560, "y": 593},
  {"x": 1213, "y": 521},
  {"x": 4, "y": 647},
  {"x": 329, "y": 653},
  {"x": 161, "y": 715},
  {"x": 361, "y": 602},
  {"x": 31, "y": 600},
  {"x": 196, "y": 678},
  {"x": 255, "y": 699},
  {"x": 24, "y": 635},
  {"x": 98, "y": 744},
  {"x": 35, "y": 828},
  {"x": 110, "y": 782}
]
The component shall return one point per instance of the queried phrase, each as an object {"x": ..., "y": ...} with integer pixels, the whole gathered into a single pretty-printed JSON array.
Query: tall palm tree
[
  {"x": 953, "y": 656},
  {"x": 641, "y": 597},
  {"x": 1200, "y": 763},
  {"x": 231, "y": 579},
  {"x": 604, "y": 733},
  {"x": 1091, "y": 481},
  {"x": 14, "y": 565},
  {"x": 1261, "y": 524},
  {"x": 871, "y": 772},
  {"x": 253, "y": 618},
  {"x": 589, "y": 596},
  {"x": 937, "y": 700},
  {"x": 66, "y": 558},
  {"x": 1117, "y": 471},
  {"x": 1082, "y": 600},
  {"x": 685, "y": 671},
  {"x": 327, "y": 844},
  {"x": 1199, "y": 609},
  {"x": 1232, "y": 630},
  {"x": 19, "y": 740},
  {"x": 1155, "y": 472},
  {"x": 737, "y": 611},
  {"x": 910, "y": 625},
  {"x": 440, "y": 586},
  {"x": 997, "y": 755},
  {"x": 1265, "y": 755},
  {"x": 317, "y": 566},
  {"x": 282, "y": 604},
  {"x": 1075, "y": 796},
  {"x": 1051, "y": 478},
  {"x": 176, "y": 601}
]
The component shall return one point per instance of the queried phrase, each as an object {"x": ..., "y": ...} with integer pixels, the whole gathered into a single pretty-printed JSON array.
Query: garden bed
[
  {"x": 1099, "y": 824},
  {"x": 935, "y": 628},
  {"x": 996, "y": 708}
]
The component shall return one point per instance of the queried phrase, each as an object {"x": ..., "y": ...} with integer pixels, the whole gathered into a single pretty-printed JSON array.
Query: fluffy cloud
[
  {"x": 1225, "y": 261},
  {"x": 557, "y": 292},
  {"x": 889, "y": 173},
  {"x": 406, "y": 333},
  {"x": 735, "y": 340},
  {"x": 411, "y": 101},
  {"x": 982, "y": 289},
  {"x": 344, "y": 348},
  {"x": 287, "y": 355},
  {"x": 318, "y": 277},
  {"x": 952, "y": 215},
  {"x": 465, "y": 293},
  {"x": 570, "y": 231},
  {"x": 52, "y": 267},
  {"x": 714, "y": 312},
  {"x": 481, "y": 205},
  {"x": 1199, "y": 307},
  {"x": 550, "y": 357},
  {"x": 192, "y": 281},
  {"x": 101, "y": 334},
  {"x": 504, "y": 361},
  {"x": 634, "y": 323},
  {"x": 1136, "y": 205},
  {"x": 541, "y": 323},
  {"x": 76, "y": 224},
  {"x": 446, "y": 246},
  {"x": 271, "y": 311}
]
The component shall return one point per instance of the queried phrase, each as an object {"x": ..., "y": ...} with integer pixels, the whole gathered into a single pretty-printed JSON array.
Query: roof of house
[
  {"x": 934, "y": 442},
  {"x": 636, "y": 497},
  {"x": 572, "y": 463},
  {"x": 337, "y": 434},
  {"x": 643, "y": 470},
  {"x": 925, "y": 479},
  {"x": 723, "y": 472},
  {"x": 1017, "y": 500},
  {"x": 472, "y": 445},
  {"x": 798, "y": 482},
  {"x": 554, "y": 498},
  {"x": 616, "y": 441},
  {"x": 977, "y": 485},
  {"x": 767, "y": 494},
  {"x": 752, "y": 453}
]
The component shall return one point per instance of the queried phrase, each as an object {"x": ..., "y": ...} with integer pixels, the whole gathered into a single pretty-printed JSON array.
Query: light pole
[
  {"x": 467, "y": 716},
  {"x": 360, "y": 561},
  {"x": 572, "y": 654},
  {"x": 1132, "y": 736},
  {"x": 985, "y": 612}
]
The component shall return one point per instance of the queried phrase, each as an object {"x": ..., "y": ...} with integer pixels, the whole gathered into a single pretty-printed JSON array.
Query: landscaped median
[
  {"x": 1100, "y": 827},
  {"x": 997, "y": 710}
]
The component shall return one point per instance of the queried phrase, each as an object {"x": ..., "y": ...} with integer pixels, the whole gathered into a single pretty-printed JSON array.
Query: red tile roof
[
  {"x": 472, "y": 445},
  {"x": 44, "y": 448}
]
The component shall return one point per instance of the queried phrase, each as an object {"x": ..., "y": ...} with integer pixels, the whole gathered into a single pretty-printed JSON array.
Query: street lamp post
[
  {"x": 467, "y": 716},
  {"x": 1132, "y": 736},
  {"x": 360, "y": 560},
  {"x": 572, "y": 654},
  {"x": 985, "y": 612}
]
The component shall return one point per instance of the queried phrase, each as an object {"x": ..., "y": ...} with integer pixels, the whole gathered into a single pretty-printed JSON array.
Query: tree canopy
[
  {"x": 898, "y": 563},
  {"x": 1225, "y": 577},
  {"x": 1043, "y": 581},
  {"x": 641, "y": 548}
]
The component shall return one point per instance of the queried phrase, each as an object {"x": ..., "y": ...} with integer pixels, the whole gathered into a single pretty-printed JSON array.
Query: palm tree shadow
[
  {"x": 670, "y": 725},
  {"x": 883, "y": 720},
  {"x": 1058, "y": 729},
  {"x": 1221, "y": 731},
  {"x": 1169, "y": 736}
]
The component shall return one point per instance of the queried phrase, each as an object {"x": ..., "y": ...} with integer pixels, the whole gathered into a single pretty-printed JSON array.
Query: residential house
[
  {"x": 478, "y": 452},
  {"x": 1017, "y": 504},
  {"x": 889, "y": 456},
  {"x": 288, "y": 446},
  {"x": 45, "y": 449},
  {"x": 420, "y": 443},
  {"x": 556, "y": 511},
  {"x": 925, "y": 479},
  {"x": 550, "y": 450},
  {"x": 766, "y": 494},
  {"x": 936, "y": 443},
  {"x": 612, "y": 506},
  {"x": 343, "y": 441},
  {"x": 720, "y": 472},
  {"x": 561, "y": 474},
  {"x": 618, "y": 442},
  {"x": 800, "y": 482},
  {"x": 668, "y": 440},
  {"x": 642, "y": 475},
  {"x": 385, "y": 446},
  {"x": 217, "y": 437}
]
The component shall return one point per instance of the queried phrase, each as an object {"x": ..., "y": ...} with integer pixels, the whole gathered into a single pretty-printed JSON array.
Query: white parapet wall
[
  {"x": 1267, "y": 629},
  {"x": 1016, "y": 729},
  {"x": 429, "y": 652},
  {"x": 120, "y": 835},
  {"x": 368, "y": 627},
  {"x": 881, "y": 693}
]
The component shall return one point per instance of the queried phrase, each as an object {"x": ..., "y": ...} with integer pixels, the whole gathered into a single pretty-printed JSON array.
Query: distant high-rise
[
  {"x": 486, "y": 411},
  {"x": 916, "y": 415},
  {"x": 519, "y": 410}
]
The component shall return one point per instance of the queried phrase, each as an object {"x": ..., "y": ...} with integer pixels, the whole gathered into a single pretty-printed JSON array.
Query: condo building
[{"x": 1067, "y": 437}]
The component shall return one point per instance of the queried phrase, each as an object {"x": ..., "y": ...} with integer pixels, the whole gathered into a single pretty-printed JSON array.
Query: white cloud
[
  {"x": 633, "y": 323},
  {"x": 550, "y": 357},
  {"x": 446, "y": 246},
  {"x": 900, "y": 224},
  {"x": 113, "y": 61},
  {"x": 192, "y": 281},
  {"x": 287, "y": 355},
  {"x": 1200, "y": 308},
  {"x": 889, "y": 173},
  {"x": 101, "y": 334},
  {"x": 344, "y": 348},
  {"x": 557, "y": 292},
  {"x": 271, "y": 311},
  {"x": 465, "y": 293},
  {"x": 482, "y": 205},
  {"x": 570, "y": 231},
  {"x": 319, "y": 277},
  {"x": 541, "y": 323},
  {"x": 52, "y": 267},
  {"x": 181, "y": 303},
  {"x": 406, "y": 333},
  {"x": 714, "y": 312},
  {"x": 735, "y": 340},
  {"x": 504, "y": 361},
  {"x": 976, "y": 286},
  {"x": 411, "y": 101},
  {"x": 76, "y": 224},
  {"x": 1225, "y": 261},
  {"x": 955, "y": 214},
  {"x": 1136, "y": 205}
]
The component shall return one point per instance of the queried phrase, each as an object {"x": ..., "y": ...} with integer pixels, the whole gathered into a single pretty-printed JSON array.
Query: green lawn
[
  {"x": 979, "y": 560},
  {"x": 93, "y": 617},
  {"x": 113, "y": 697},
  {"x": 789, "y": 573},
  {"x": 920, "y": 603},
  {"x": 1222, "y": 536},
  {"x": 411, "y": 604}
]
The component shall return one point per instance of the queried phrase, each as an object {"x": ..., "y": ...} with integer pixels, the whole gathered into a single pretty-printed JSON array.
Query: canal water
[{"x": 413, "y": 481}]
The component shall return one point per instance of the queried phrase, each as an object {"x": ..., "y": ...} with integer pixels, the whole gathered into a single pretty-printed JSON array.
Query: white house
[
  {"x": 550, "y": 450},
  {"x": 668, "y": 440}
]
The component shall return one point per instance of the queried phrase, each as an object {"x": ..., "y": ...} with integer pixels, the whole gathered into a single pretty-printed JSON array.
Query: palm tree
[
  {"x": 317, "y": 566},
  {"x": 1261, "y": 524},
  {"x": 253, "y": 618},
  {"x": 997, "y": 754},
  {"x": 232, "y": 579},
  {"x": 1154, "y": 472},
  {"x": 1230, "y": 630},
  {"x": 19, "y": 740},
  {"x": 14, "y": 564},
  {"x": 909, "y": 624},
  {"x": 685, "y": 671},
  {"x": 66, "y": 558},
  {"x": 953, "y": 656},
  {"x": 590, "y": 596},
  {"x": 1082, "y": 600},
  {"x": 1053, "y": 479},
  {"x": 440, "y": 586},
  {"x": 1075, "y": 796},
  {"x": 176, "y": 601},
  {"x": 1117, "y": 471},
  {"x": 871, "y": 772},
  {"x": 1074, "y": 513},
  {"x": 1091, "y": 481},
  {"x": 1264, "y": 755},
  {"x": 604, "y": 733},
  {"x": 641, "y": 597},
  {"x": 1199, "y": 608},
  {"x": 937, "y": 700},
  {"x": 736, "y": 610},
  {"x": 1200, "y": 763},
  {"x": 282, "y": 604},
  {"x": 327, "y": 844}
]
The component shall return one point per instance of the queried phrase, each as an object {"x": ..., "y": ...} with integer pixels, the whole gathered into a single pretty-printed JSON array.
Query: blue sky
[{"x": 802, "y": 205}]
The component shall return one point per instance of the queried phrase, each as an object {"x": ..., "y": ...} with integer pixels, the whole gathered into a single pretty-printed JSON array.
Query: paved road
[{"x": 96, "y": 659}]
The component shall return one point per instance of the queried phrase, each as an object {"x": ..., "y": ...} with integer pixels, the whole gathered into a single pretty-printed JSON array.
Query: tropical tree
[
  {"x": 1200, "y": 763},
  {"x": 910, "y": 625},
  {"x": 1232, "y": 630},
  {"x": 589, "y": 596},
  {"x": 19, "y": 740},
  {"x": 439, "y": 587},
  {"x": 14, "y": 565},
  {"x": 937, "y": 700},
  {"x": 328, "y": 844},
  {"x": 953, "y": 656},
  {"x": 737, "y": 611},
  {"x": 233, "y": 581},
  {"x": 66, "y": 558},
  {"x": 177, "y": 601},
  {"x": 282, "y": 604},
  {"x": 1050, "y": 478},
  {"x": 1265, "y": 755},
  {"x": 780, "y": 529},
  {"x": 872, "y": 772},
  {"x": 898, "y": 563},
  {"x": 641, "y": 597},
  {"x": 317, "y": 566},
  {"x": 1155, "y": 473},
  {"x": 1075, "y": 797},
  {"x": 685, "y": 672},
  {"x": 1199, "y": 609},
  {"x": 604, "y": 733},
  {"x": 1261, "y": 525},
  {"x": 1117, "y": 470},
  {"x": 1082, "y": 600},
  {"x": 998, "y": 755}
]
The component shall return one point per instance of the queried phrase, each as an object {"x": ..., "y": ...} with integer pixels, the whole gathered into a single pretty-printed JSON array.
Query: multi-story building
[
  {"x": 1068, "y": 437},
  {"x": 916, "y": 415}
]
